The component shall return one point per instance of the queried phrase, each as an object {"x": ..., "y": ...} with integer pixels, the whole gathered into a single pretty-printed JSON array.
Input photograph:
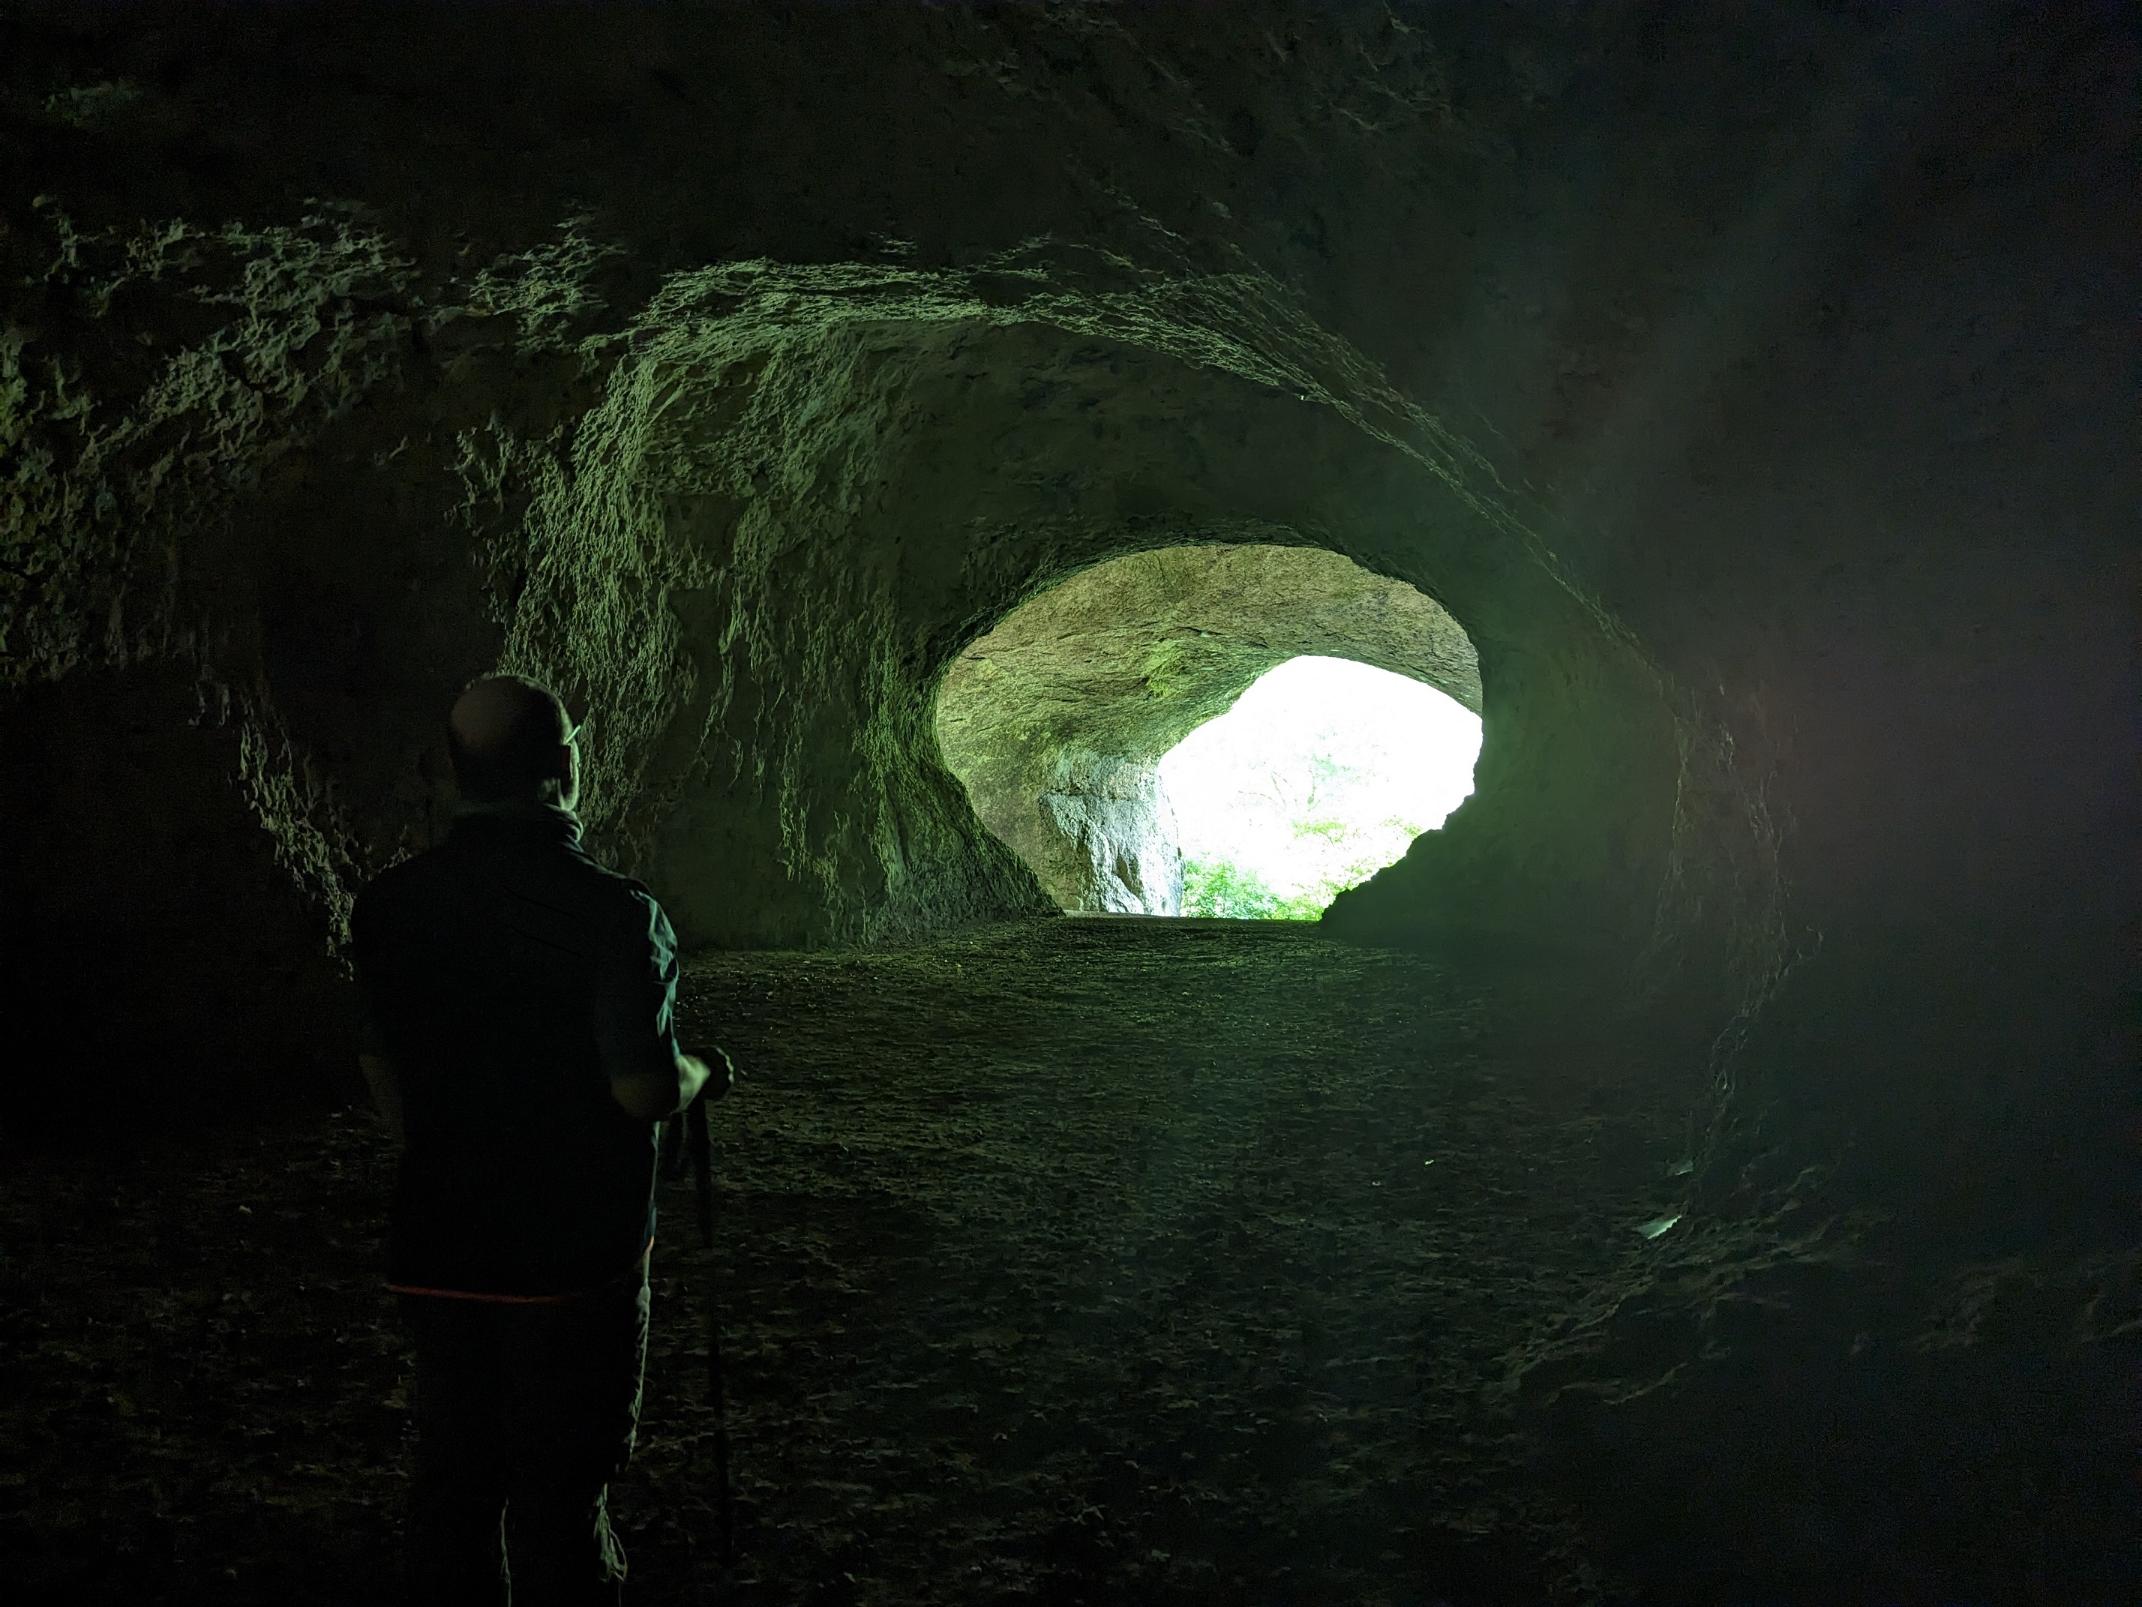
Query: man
[{"x": 518, "y": 1037}]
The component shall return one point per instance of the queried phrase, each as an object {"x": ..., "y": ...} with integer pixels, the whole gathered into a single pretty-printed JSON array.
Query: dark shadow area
[
  {"x": 1170, "y": 1261},
  {"x": 1179, "y": 1262},
  {"x": 139, "y": 885}
]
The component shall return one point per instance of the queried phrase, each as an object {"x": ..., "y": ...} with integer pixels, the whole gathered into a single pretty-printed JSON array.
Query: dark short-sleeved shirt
[{"x": 508, "y": 976}]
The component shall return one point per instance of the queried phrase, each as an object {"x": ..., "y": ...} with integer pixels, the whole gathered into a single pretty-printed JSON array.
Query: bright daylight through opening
[
  {"x": 1322, "y": 773},
  {"x": 1057, "y": 718}
]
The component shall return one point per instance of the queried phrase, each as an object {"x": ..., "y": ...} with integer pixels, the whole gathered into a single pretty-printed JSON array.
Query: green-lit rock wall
[{"x": 1742, "y": 385}]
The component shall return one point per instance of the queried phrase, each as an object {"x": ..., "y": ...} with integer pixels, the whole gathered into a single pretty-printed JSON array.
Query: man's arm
[{"x": 650, "y": 1077}]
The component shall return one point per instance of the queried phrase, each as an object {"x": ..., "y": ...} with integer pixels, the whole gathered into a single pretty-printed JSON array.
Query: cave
[
  {"x": 1058, "y": 718},
  {"x": 1701, "y": 1171}
]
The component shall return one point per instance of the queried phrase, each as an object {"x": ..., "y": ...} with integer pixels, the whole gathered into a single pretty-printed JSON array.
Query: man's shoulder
[
  {"x": 570, "y": 878},
  {"x": 404, "y": 876},
  {"x": 609, "y": 898},
  {"x": 612, "y": 885},
  {"x": 639, "y": 906}
]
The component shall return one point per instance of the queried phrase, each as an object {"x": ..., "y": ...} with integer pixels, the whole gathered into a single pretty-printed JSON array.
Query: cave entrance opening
[
  {"x": 1060, "y": 718},
  {"x": 1322, "y": 773}
]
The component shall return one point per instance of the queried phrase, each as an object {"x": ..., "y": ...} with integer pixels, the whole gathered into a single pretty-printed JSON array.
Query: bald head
[{"x": 510, "y": 740}]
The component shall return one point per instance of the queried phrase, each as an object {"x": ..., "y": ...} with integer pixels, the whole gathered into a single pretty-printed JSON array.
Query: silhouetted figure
[{"x": 517, "y": 1035}]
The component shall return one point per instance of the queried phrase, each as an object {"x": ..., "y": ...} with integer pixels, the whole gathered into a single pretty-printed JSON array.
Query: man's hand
[
  {"x": 685, "y": 1136},
  {"x": 722, "y": 1076},
  {"x": 658, "y": 1097},
  {"x": 653, "y": 1096}
]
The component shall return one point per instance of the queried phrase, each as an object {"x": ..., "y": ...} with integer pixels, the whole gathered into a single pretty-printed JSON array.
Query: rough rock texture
[
  {"x": 741, "y": 492},
  {"x": 1753, "y": 386},
  {"x": 1057, "y": 719},
  {"x": 1102, "y": 837}
]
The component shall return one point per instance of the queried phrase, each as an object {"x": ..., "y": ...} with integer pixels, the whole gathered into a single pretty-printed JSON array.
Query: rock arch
[{"x": 1057, "y": 719}]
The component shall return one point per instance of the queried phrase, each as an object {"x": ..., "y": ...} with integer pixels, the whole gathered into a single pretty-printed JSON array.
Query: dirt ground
[{"x": 1069, "y": 1261}]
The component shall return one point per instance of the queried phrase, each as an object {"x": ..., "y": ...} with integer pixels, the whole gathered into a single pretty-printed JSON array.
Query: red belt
[{"x": 503, "y": 1300}]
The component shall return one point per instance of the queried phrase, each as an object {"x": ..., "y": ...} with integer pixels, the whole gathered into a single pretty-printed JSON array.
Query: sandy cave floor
[{"x": 1074, "y": 1260}]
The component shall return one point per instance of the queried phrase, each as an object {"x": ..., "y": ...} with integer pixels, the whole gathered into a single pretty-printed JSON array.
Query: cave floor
[{"x": 1069, "y": 1260}]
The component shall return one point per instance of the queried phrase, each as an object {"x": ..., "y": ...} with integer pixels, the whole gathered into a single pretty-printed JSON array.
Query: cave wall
[
  {"x": 1106, "y": 838},
  {"x": 1741, "y": 384},
  {"x": 738, "y": 496}
]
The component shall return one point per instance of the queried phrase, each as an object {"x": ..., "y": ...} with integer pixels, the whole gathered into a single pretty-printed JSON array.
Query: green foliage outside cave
[
  {"x": 1322, "y": 774},
  {"x": 1339, "y": 854},
  {"x": 1220, "y": 888}
]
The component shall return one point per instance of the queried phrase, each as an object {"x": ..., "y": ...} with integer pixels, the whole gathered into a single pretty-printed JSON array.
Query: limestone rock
[{"x": 1057, "y": 719}]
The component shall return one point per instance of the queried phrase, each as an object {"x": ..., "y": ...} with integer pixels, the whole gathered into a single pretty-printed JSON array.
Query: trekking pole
[{"x": 699, "y": 1139}]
